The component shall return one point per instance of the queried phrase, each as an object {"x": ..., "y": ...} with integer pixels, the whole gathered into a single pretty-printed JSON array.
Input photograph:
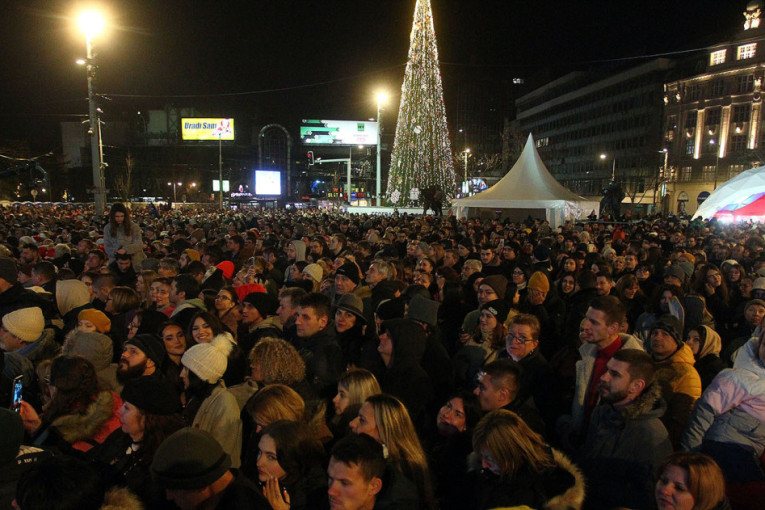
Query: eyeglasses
[
  {"x": 517, "y": 339},
  {"x": 224, "y": 298},
  {"x": 133, "y": 325}
]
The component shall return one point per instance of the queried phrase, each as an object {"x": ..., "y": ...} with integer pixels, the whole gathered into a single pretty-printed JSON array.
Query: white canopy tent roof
[
  {"x": 733, "y": 193},
  {"x": 530, "y": 186}
]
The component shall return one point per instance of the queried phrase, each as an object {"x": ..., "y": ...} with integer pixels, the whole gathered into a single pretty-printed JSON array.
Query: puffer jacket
[
  {"x": 681, "y": 387},
  {"x": 732, "y": 408},
  {"x": 84, "y": 430}
]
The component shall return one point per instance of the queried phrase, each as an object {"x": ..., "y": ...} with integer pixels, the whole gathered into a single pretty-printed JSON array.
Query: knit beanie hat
[
  {"x": 538, "y": 281},
  {"x": 189, "y": 459},
  {"x": 423, "y": 310},
  {"x": 227, "y": 267},
  {"x": 209, "y": 361},
  {"x": 498, "y": 283},
  {"x": 314, "y": 271},
  {"x": 8, "y": 270},
  {"x": 676, "y": 271},
  {"x": 753, "y": 302},
  {"x": 498, "y": 308},
  {"x": 12, "y": 436},
  {"x": 152, "y": 395},
  {"x": 243, "y": 290},
  {"x": 26, "y": 323},
  {"x": 671, "y": 325},
  {"x": 98, "y": 318},
  {"x": 266, "y": 304},
  {"x": 541, "y": 252},
  {"x": 350, "y": 271},
  {"x": 152, "y": 347},
  {"x": 391, "y": 309}
]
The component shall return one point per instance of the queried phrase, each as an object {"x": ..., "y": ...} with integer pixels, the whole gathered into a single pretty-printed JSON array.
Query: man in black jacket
[{"x": 316, "y": 342}]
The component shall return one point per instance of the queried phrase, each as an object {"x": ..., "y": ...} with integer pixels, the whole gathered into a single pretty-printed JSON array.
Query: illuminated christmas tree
[{"x": 422, "y": 154}]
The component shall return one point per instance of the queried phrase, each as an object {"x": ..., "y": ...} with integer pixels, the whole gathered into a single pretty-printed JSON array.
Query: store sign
[{"x": 193, "y": 128}]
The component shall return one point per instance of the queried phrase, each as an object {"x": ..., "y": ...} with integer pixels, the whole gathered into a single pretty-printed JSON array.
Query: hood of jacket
[
  {"x": 80, "y": 426},
  {"x": 95, "y": 347},
  {"x": 272, "y": 321},
  {"x": 299, "y": 250},
  {"x": 71, "y": 294},
  {"x": 189, "y": 303},
  {"x": 712, "y": 344},
  {"x": 748, "y": 359},
  {"x": 647, "y": 405},
  {"x": 683, "y": 354},
  {"x": 574, "y": 496},
  {"x": 408, "y": 340}
]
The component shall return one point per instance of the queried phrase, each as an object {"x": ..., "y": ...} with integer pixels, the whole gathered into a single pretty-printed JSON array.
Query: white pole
[{"x": 379, "y": 144}]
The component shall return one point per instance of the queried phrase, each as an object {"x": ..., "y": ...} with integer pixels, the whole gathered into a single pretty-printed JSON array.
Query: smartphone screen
[{"x": 17, "y": 394}]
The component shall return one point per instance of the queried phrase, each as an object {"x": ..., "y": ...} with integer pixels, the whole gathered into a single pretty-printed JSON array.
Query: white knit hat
[
  {"x": 314, "y": 271},
  {"x": 209, "y": 361},
  {"x": 27, "y": 323}
]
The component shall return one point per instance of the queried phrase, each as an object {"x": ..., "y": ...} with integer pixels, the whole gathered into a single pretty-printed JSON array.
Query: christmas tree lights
[{"x": 422, "y": 154}]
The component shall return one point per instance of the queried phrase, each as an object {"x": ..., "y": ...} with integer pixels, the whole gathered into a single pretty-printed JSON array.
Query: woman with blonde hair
[
  {"x": 385, "y": 419},
  {"x": 521, "y": 468},
  {"x": 353, "y": 388},
  {"x": 143, "y": 287},
  {"x": 690, "y": 481}
]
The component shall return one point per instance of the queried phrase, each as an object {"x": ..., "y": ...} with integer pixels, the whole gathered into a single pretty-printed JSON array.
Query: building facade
[
  {"x": 713, "y": 117},
  {"x": 592, "y": 127}
]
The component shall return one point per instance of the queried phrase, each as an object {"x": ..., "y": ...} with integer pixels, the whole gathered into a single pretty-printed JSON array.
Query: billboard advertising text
[
  {"x": 207, "y": 129},
  {"x": 338, "y": 132}
]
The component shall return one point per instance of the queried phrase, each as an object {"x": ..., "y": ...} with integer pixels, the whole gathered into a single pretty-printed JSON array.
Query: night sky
[{"x": 282, "y": 60}]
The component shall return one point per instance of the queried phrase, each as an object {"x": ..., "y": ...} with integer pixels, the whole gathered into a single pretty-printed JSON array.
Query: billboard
[
  {"x": 216, "y": 186},
  {"x": 195, "y": 128},
  {"x": 338, "y": 132},
  {"x": 268, "y": 182}
]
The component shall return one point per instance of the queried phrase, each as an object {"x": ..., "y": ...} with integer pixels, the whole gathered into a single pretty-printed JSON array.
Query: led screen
[
  {"x": 338, "y": 132},
  {"x": 268, "y": 182}
]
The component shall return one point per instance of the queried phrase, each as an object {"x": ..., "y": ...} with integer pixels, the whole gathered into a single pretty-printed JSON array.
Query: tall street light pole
[
  {"x": 382, "y": 98},
  {"x": 91, "y": 23}
]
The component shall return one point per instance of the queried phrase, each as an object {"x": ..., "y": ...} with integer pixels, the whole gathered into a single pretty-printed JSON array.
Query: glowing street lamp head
[
  {"x": 382, "y": 98},
  {"x": 91, "y": 23},
  {"x": 603, "y": 156}
]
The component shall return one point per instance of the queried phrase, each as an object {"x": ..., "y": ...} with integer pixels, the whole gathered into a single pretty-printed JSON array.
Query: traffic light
[{"x": 310, "y": 158}]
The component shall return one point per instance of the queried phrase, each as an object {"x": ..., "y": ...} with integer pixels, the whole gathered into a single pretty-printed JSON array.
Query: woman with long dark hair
[
  {"x": 290, "y": 467},
  {"x": 150, "y": 413},
  {"x": 79, "y": 414},
  {"x": 123, "y": 235},
  {"x": 203, "y": 328}
]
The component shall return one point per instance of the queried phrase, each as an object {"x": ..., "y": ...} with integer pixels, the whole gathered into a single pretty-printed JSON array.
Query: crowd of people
[{"x": 304, "y": 359}]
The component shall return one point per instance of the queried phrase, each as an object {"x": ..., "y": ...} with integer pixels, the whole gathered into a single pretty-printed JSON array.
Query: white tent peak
[{"x": 529, "y": 179}]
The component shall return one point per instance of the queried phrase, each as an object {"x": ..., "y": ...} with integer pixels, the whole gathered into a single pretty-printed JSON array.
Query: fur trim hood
[
  {"x": 120, "y": 498},
  {"x": 649, "y": 404},
  {"x": 573, "y": 498},
  {"x": 78, "y": 427}
]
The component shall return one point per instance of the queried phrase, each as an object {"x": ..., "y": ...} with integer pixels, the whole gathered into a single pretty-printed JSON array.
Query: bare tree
[{"x": 123, "y": 182}]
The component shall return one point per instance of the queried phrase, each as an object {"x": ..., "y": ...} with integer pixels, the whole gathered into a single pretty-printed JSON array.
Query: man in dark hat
[
  {"x": 259, "y": 320},
  {"x": 195, "y": 472},
  {"x": 347, "y": 278},
  {"x": 679, "y": 380},
  {"x": 141, "y": 356}
]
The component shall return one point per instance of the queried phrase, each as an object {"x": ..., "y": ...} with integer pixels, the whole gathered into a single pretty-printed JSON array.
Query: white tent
[
  {"x": 734, "y": 193},
  {"x": 529, "y": 189}
]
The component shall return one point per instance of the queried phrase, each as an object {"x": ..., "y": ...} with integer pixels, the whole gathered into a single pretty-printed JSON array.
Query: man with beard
[
  {"x": 626, "y": 440},
  {"x": 141, "y": 356}
]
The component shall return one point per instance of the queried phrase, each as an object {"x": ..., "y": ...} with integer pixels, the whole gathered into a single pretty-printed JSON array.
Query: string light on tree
[{"x": 422, "y": 155}]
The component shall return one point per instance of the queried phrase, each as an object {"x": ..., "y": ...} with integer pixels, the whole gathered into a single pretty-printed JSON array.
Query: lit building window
[
  {"x": 746, "y": 51},
  {"x": 717, "y": 57},
  {"x": 708, "y": 172},
  {"x": 685, "y": 173},
  {"x": 518, "y": 81}
]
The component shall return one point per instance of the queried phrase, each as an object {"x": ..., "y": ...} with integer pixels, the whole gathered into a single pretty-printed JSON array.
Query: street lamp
[
  {"x": 175, "y": 197},
  {"x": 466, "y": 153},
  {"x": 613, "y": 167},
  {"x": 382, "y": 98},
  {"x": 717, "y": 160},
  {"x": 91, "y": 24}
]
